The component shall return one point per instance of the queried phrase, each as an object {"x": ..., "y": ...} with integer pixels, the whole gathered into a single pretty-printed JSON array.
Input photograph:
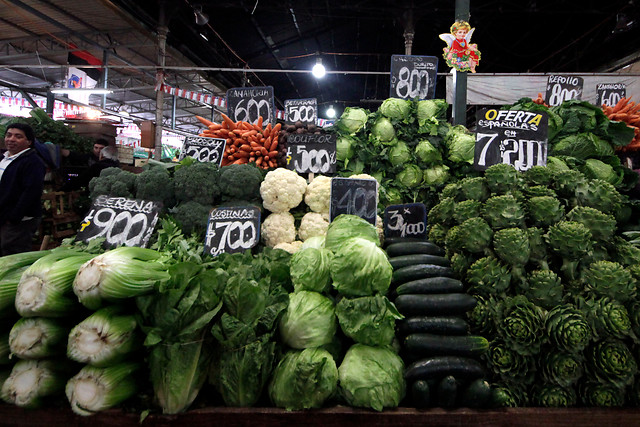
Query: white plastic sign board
[
  {"x": 206, "y": 150},
  {"x": 311, "y": 153},
  {"x": 354, "y": 197},
  {"x": 518, "y": 138},
  {"x": 408, "y": 220},
  {"x": 413, "y": 77},
  {"x": 232, "y": 229},
  {"x": 301, "y": 110},
  {"x": 563, "y": 88},
  {"x": 247, "y": 104},
  {"x": 121, "y": 221}
]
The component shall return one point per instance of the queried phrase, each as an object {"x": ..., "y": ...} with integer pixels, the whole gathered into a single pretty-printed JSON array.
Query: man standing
[{"x": 21, "y": 183}]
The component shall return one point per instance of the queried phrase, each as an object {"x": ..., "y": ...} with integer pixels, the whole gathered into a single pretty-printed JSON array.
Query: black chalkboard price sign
[
  {"x": 247, "y": 104},
  {"x": 563, "y": 88},
  {"x": 203, "y": 149},
  {"x": 610, "y": 93},
  {"x": 354, "y": 197},
  {"x": 413, "y": 76},
  {"x": 121, "y": 221},
  {"x": 301, "y": 110},
  {"x": 408, "y": 220},
  {"x": 518, "y": 138},
  {"x": 232, "y": 229},
  {"x": 311, "y": 153}
]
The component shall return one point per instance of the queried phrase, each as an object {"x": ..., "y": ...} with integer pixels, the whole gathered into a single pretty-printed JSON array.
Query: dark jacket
[{"x": 21, "y": 188}]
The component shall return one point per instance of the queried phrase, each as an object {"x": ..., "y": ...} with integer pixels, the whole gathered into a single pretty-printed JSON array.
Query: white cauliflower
[
  {"x": 318, "y": 195},
  {"x": 363, "y": 176},
  {"x": 313, "y": 224},
  {"x": 282, "y": 190},
  {"x": 278, "y": 228},
  {"x": 380, "y": 228},
  {"x": 292, "y": 247}
]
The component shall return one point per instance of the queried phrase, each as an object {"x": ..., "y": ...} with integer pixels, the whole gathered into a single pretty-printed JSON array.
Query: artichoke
[
  {"x": 473, "y": 188},
  {"x": 544, "y": 211},
  {"x": 503, "y": 212},
  {"x": 509, "y": 365},
  {"x": 611, "y": 361},
  {"x": 451, "y": 190},
  {"x": 488, "y": 276},
  {"x": 554, "y": 396},
  {"x": 562, "y": 368},
  {"x": 501, "y": 178},
  {"x": 474, "y": 235},
  {"x": 609, "y": 279},
  {"x": 597, "y": 394},
  {"x": 460, "y": 262},
  {"x": 565, "y": 182},
  {"x": 438, "y": 234},
  {"x": 442, "y": 213},
  {"x": 608, "y": 318},
  {"x": 600, "y": 195},
  {"x": 512, "y": 246},
  {"x": 571, "y": 240},
  {"x": 539, "y": 191},
  {"x": 466, "y": 209},
  {"x": 520, "y": 323},
  {"x": 625, "y": 253},
  {"x": 537, "y": 247},
  {"x": 482, "y": 319},
  {"x": 543, "y": 288},
  {"x": 601, "y": 225},
  {"x": 568, "y": 329},
  {"x": 508, "y": 395},
  {"x": 538, "y": 175}
]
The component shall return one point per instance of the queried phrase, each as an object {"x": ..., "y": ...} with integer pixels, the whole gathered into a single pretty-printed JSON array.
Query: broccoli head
[
  {"x": 155, "y": 184},
  {"x": 113, "y": 182},
  {"x": 240, "y": 182},
  {"x": 192, "y": 217},
  {"x": 197, "y": 182}
]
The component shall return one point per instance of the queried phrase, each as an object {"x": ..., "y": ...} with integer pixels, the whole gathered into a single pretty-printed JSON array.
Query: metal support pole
[
  {"x": 174, "y": 101},
  {"x": 105, "y": 76},
  {"x": 51, "y": 100},
  {"x": 162, "y": 44},
  {"x": 460, "y": 78}
]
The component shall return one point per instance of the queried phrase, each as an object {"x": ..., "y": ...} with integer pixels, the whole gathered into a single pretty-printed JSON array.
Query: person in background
[
  {"x": 98, "y": 145},
  {"x": 22, "y": 174}
]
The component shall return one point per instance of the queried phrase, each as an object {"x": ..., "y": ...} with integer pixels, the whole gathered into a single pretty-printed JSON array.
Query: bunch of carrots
[
  {"x": 540, "y": 100},
  {"x": 629, "y": 112},
  {"x": 246, "y": 142}
]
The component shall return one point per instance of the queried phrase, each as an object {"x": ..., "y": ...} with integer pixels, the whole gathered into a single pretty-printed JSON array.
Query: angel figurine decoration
[{"x": 459, "y": 53}]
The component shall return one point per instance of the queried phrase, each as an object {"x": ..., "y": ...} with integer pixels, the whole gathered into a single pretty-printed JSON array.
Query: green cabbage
[
  {"x": 344, "y": 148},
  {"x": 436, "y": 175},
  {"x": 395, "y": 108},
  {"x": 597, "y": 169},
  {"x": 399, "y": 154},
  {"x": 436, "y": 108},
  {"x": 556, "y": 165},
  {"x": 582, "y": 146},
  {"x": 304, "y": 379},
  {"x": 310, "y": 270},
  {"x": 344, "y": 227},
  {"x": 410, "y": 176},
  {"x": 383, "y": 131},
  {"x": 426, "y": 152},
  {"x": 460, "y": 144},
  {"x": 313, "y": 242},
  {"x": 360, "y": 268},
  {"x": 352, "y": 120},
  {"x": 309, "y": 321},
  {"x": 371, "y": 377},
  {"x": 368, "y": 320}
]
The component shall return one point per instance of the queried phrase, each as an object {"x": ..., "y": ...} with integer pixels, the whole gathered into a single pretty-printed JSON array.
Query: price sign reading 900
[
  {"x": 232, "y": 229},
  {"x": 120, "y": 221},
  {"x": 518, "y": 138}
]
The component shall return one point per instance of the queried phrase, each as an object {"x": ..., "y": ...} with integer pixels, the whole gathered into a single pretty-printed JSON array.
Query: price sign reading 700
[{"x": 232, "y": 229}]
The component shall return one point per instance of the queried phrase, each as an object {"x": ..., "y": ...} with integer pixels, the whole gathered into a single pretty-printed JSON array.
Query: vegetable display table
[{"x": 336, "y": 416}]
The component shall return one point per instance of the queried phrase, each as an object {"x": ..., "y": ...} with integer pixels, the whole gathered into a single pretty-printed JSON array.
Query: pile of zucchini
[{"x": 442, "y": 359}]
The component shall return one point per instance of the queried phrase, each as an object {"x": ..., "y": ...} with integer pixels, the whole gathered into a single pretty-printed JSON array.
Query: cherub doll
[{"x": 459, "y": 53}]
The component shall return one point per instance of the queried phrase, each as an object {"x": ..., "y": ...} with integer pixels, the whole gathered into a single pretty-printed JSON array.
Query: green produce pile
[
  {"x": 556, "y": 284},
  {"x": 408, "y": 146}
]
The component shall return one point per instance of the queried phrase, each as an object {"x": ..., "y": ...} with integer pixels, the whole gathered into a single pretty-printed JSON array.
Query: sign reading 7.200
[{"x": 518, "y": 138}]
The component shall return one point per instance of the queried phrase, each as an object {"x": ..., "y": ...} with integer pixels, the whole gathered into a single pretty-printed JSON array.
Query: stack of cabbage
[
  {"x": 407, "y": 146},
  {"x": 347, "y": 266},
  {"x": 556, "y": 286}
]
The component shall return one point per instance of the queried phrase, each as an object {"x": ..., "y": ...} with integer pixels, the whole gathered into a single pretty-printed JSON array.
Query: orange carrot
[
  {"x": 276, "y": 128},
  {"x": 246, "y": 148},
  {"x": 264, "y": 151},
  {"x": 267, "y": 143},
  {"x": 274, "y": 145},
  {"x": 241, "y": 161},
  {"x": 215, "y": 126},
  {"x": 204, "y": 121},
  {"x": 259, "y": 124},
  {"x": 273, "y": 154},
  {"x": 259, "y": 161},
  {"x": 230, "y": 123},
  {"x": 241, "y": 154},
  {"x": 267, "y": 131},
  {"x": 272, "y": 164},
  {"x": 249, "y": 133}
]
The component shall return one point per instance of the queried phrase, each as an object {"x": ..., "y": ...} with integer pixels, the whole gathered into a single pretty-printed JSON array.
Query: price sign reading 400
[
  {"x": 232, "y": 229},
  {"x": 518, "y": 138},
  {"x": 354, "y": 197},
  {"x": 120, "y": 221}
]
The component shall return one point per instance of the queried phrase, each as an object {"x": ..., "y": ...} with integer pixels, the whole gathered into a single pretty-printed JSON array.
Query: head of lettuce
[
  {"x": 360, "y": 268},
  {"x": 309, "y": 321}
]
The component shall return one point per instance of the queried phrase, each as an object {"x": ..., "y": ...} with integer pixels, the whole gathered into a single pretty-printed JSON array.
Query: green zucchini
[
  {"x": 447, "y": 392},
  {"x": 434, "y": 304},
  {"x": 431, "y": 285},
  {"x": 410, "y": 248},
  {"x": 392, "y": 240},
  {"x": 455, "y": 345},
  {"x": 477, "y": 394},
  {"x": 419, "y": 271},
  {"x": 405, "y": 260},
  {"x": 420, "y": 394},
  {"x": 433, "y": 325},
  {"x": 464, "y": 368}
]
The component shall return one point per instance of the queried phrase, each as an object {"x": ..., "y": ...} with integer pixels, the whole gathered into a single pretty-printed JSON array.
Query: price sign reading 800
[
  {"x": 563, "y": 88},
  {"x": 412, "y": 83},
  {"x": 232, "y": 229},
  {"x": 413, "y": 77}
]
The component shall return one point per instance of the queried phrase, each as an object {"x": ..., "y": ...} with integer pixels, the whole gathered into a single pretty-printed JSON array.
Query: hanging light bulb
[
  {"x": 201, "y": 17},
  {"x": 318, "y": 70},
  {"x": 331, "y": 113}
]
